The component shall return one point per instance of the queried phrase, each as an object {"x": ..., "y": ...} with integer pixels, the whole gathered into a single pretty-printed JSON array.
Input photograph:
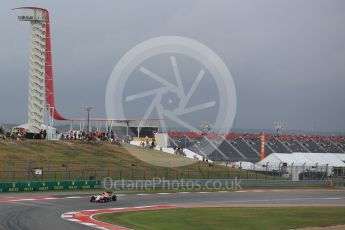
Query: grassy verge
[
  {"x": 228, "y": 218},
  {"x": 75, "y": 160}
]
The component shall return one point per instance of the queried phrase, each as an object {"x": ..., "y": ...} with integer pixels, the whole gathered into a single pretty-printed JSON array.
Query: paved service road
[{"x": 43, "y": 213}]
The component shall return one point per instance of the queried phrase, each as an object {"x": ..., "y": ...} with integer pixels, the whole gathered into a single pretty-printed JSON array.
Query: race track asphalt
[{"x": 46, "y": 214}]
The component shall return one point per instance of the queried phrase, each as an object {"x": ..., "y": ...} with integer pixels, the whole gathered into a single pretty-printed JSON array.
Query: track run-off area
[{"x": 74, "y": 211}]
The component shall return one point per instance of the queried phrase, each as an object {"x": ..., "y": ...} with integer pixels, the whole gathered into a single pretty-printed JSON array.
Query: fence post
[
  {"x": 292, "y": 169},
  {"x": 8, "y": 172},
  {"x": 303, "y": 170},
  {"x": 66, "y": 170},
  {"x": 266, "y": 171}
]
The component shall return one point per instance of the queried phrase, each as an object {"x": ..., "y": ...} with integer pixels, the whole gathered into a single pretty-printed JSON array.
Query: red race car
[{"x": 105, "y": 197}]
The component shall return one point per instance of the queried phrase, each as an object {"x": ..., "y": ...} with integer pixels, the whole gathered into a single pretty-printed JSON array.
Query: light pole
[{"x": 88, "y": 109}]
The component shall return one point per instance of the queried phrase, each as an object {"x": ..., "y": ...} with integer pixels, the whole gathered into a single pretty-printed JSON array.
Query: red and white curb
[
  {"x": 334, "y": 198},
  {"x": 29, "y": 198},
  {"x": 286, "y": 190},
  {"x": 85, "y": 217},
  {"x": 37, "y": 198}
]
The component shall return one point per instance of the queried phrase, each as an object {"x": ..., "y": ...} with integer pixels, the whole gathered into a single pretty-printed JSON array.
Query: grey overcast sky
[{"x": 287, "y": 57}]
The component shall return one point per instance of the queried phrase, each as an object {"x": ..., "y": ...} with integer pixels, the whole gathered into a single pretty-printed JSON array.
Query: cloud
[{"x": 287, "y": 57}]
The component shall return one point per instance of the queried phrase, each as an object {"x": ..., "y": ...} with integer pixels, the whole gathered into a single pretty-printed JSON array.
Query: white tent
[
  {"x": 304, "y": 159},
  {"x": 341, "y": 156},
  {"x": 245, "y": 165},
  {"x": 297, "y": 163},
  {"x": 51, "y": 131}
]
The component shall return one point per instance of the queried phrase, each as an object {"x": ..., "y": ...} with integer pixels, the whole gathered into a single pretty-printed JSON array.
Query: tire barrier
[{"x": 49, "y": 185}]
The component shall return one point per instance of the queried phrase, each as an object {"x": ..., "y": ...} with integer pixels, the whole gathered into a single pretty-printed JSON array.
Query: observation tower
[{"x": 41, "y": 102}]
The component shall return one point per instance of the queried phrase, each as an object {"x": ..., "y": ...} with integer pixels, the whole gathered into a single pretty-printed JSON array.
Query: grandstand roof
[{"x": 305, "y": 159}]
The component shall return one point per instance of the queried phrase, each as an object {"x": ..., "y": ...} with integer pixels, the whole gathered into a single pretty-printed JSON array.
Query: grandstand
[{"x": 246, "y": 147}]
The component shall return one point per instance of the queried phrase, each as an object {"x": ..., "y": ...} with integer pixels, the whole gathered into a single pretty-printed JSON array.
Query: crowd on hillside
[
  {"x": 147, "y": 143},
  {"x": 179, "y": 151},
  {"x": 94, "y": 136},
  {"x": 6, "y": 134},
  {"x": 2, "y": 133}
]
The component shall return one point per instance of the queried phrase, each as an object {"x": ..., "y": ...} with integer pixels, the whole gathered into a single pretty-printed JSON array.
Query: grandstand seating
[
  {"x": 329, "y": 146},
  {"x": 296, "y": 146},
  {"x": 278, "y": 146},
  {"x": 246, "y": 147}
]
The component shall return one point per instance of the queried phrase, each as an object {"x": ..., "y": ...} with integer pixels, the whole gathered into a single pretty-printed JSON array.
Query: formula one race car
[{"x": 103, "y": 198}]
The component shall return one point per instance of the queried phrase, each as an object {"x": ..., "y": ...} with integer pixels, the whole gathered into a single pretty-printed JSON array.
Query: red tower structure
[{"x": 41, "y": 67}]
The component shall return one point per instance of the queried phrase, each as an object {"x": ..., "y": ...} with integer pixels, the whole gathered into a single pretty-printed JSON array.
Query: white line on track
[
  {"x": 74, "y": 220},
  {"x": 88, "y": 224},
  {"x": 24, "y": 199}
]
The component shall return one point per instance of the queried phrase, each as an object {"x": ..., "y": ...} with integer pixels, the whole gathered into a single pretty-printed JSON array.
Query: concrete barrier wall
[
  {"x": 152, "y": 184},
  {"x": 49, "y": 185}
]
